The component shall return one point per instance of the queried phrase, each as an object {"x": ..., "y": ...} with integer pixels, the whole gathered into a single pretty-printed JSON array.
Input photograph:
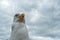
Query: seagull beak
[{"x": 21, "y": 16}]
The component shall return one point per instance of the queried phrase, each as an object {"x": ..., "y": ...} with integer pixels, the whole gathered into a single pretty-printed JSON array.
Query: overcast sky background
[{"x": 42, "y": 18}]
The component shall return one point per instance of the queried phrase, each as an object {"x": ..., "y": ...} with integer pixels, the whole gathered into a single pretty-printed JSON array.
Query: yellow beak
[{"x": 21, "y": 17}]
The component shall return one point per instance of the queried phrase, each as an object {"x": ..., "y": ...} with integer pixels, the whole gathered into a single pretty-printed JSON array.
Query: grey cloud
[
  {"x": 46, "y": 26},
  {"x": 51, "y": 24}
]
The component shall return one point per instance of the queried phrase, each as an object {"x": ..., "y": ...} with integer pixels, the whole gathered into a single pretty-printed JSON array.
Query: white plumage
[{"x": 19, "y": 30}]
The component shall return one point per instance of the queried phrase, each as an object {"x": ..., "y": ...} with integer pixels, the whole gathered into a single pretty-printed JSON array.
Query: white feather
[{"x": 19, "y": 31}]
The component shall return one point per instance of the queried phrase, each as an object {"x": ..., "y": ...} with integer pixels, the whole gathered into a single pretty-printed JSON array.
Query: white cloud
[
  {"x": 5, "y": 4},
  {"x": 34, "y": 15},
  {"x": 40, "y": 38},
  {"x": 43, "y": 13}
]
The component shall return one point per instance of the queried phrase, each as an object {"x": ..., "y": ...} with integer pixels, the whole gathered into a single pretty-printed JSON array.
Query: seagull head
[{"x": 19, "y": 17}]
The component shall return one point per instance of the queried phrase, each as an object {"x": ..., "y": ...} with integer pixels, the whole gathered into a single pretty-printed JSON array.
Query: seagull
[{"x": 19, "y": 30}]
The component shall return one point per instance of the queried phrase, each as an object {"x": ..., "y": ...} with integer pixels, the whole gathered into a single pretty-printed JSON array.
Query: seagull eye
[{"x": 16, "y": 15}]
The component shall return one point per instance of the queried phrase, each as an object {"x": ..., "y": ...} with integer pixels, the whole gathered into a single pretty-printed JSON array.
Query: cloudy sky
[{"x": 42, "y": 18}]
